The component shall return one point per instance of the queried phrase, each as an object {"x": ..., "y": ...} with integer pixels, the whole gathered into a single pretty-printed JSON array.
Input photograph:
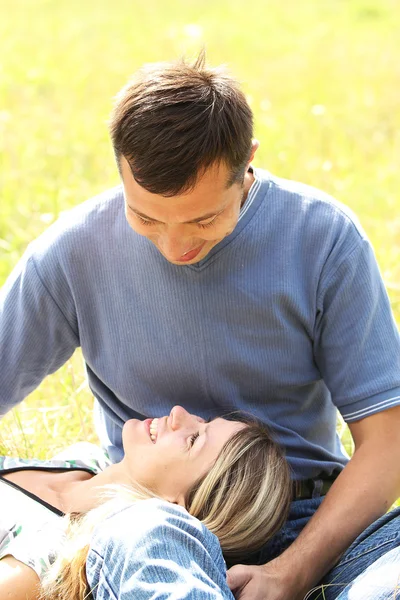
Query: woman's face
[{"x": 169, "y": 454}]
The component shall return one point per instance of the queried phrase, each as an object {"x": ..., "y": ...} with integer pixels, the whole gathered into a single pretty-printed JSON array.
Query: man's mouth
[{"x": 191, "y": 254}]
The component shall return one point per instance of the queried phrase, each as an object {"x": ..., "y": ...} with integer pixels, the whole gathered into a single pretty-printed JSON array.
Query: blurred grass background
[{"x": 322, "y": 77}]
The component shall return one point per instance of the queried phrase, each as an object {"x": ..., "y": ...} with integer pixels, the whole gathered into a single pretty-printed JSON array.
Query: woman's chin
[{"x": 128, "y": 436}]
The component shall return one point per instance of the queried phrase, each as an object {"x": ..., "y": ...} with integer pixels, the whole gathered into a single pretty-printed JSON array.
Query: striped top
[
  {"x": 32, "y": 530},
  {"x": 286, "y": 318}
]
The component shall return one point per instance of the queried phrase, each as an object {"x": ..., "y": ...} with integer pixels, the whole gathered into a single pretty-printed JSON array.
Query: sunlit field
[{"x": 323, "y": 79}]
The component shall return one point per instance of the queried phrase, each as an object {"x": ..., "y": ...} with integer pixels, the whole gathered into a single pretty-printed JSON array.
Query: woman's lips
[{"x": 191, "y": 254}]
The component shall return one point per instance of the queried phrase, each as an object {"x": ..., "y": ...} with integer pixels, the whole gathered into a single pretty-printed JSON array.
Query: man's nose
[{"x": 174, "y": 243}]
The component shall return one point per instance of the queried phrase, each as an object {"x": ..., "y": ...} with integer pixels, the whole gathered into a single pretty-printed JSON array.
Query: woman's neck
[{"x": 81, "y": 496}]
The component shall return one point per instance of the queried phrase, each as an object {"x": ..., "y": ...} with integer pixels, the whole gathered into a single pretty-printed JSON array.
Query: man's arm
[
  {"x": 37, "y": 332},
  {"x": 364, "y": 491},
  {"x": 356, "y": 347}
]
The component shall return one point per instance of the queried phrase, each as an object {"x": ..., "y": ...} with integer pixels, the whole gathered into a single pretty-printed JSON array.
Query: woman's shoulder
[{"x": 82, "y": 455}]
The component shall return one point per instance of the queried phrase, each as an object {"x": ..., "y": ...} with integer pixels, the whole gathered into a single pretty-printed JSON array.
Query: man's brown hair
[{"x": 174, "y": 120}]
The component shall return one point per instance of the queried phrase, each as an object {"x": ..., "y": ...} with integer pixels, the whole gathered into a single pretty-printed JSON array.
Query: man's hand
[{"x": 265, "y": 582}]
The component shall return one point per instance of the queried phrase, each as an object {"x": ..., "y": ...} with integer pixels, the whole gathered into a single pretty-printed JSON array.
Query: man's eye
[
  {"x": 193, "y": 438},
  {"x": 205, "y": 225},
  {"x": 143, "y": 221}
]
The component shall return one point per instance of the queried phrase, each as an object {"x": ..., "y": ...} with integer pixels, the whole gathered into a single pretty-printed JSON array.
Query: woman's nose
[{"x": 180, "y": 417}]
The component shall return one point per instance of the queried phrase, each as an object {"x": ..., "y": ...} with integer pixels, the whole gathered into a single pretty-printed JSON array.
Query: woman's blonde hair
[{"x": 243, "y": 499}]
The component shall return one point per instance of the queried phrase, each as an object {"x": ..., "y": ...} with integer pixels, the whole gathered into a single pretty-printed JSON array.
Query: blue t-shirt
[{"x": 286, "y": 318}]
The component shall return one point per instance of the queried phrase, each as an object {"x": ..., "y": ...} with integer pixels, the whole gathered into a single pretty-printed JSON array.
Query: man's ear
[{"x": 254, "y": 147}]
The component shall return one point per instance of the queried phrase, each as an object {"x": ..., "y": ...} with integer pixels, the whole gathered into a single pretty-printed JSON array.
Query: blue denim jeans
[{"x": 156, "y": 550}]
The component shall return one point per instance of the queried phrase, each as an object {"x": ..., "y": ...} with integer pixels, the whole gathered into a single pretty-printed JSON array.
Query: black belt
[{"x": 311, "y": 488}]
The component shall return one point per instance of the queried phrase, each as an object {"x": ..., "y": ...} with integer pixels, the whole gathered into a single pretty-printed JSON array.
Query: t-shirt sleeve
[
  {"x": 36, "y": 334},
  {"x": 357, "y": 346}
]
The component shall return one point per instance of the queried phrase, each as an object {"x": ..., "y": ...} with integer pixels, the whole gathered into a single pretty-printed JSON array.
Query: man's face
[{"x": 184, "y": 228}]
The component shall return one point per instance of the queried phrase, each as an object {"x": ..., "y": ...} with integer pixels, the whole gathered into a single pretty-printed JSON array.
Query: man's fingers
[{"x": 238, "y": 577}]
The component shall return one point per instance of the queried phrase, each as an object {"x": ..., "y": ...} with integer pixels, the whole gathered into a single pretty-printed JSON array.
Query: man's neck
[{"x": 249, "y": 179}]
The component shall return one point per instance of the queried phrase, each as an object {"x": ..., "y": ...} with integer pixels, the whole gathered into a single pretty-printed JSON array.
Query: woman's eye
[{"x": 193, "y": 438}]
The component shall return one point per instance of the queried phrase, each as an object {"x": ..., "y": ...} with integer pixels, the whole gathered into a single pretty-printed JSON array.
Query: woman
[{"x": 228, "y": 474}]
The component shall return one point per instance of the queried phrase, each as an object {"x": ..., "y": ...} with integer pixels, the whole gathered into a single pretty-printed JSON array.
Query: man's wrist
[{"x": 296, "y": 574}]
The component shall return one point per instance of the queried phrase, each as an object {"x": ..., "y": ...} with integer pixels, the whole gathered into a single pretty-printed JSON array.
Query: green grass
[{"x": 322, "y": 79}]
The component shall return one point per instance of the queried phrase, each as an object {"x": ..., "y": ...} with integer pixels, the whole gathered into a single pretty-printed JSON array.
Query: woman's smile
[{"x": 153, "y": 429}]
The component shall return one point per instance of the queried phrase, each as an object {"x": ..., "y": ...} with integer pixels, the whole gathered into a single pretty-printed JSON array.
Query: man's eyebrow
[{"x": 202, "y": 218}]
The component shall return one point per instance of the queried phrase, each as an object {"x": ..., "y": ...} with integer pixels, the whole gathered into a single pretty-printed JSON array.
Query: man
[{"x": 205, "y": 282}]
